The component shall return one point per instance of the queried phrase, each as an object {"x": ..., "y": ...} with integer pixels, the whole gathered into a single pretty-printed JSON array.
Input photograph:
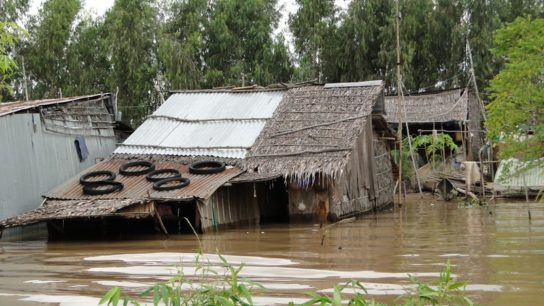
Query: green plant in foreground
[
  {"x": 211, "y": 289},
  {"x": 233, "y": 290},
  {"x": 444, "y": 291},
  {"x": 230, "y": 289}
]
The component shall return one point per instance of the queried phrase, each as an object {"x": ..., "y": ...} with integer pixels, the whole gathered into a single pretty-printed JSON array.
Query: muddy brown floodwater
[{"x": 495, "y": 249}]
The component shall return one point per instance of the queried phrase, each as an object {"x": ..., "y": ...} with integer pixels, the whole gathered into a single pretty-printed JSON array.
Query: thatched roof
[
  {"x": 444, "y": 106},
  {"x": 314, "y": 129},
  {"x": 55, "y": 210}
]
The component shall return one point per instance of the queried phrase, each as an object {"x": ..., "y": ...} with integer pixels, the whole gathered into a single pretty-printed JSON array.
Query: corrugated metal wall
[
  {"x": 32, "y": 161},
  {"x": 229, "y": 205},
  {"x": 515, "y": 174}
]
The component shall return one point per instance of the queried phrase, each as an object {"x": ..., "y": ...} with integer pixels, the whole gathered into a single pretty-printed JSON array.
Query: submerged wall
[
  {"x": 366, "y": 183},
  {"x": 34, "y": 160},
  {"x": 354, "y": 192},
  {"x": 236, "y": 204}
]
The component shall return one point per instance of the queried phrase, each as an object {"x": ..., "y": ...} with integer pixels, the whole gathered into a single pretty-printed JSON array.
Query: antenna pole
[{"x": 399, "y": 109}]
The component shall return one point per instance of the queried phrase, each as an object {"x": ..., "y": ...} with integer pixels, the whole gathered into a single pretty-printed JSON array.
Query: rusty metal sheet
[
  {"x": 13, "y": 107},
  {"x": 138, "y": 188}
]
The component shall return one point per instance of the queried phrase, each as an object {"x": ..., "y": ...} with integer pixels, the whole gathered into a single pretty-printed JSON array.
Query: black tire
[
  {"x": 207, "y": 167},
  {"x": 142, "y": 163},
  {"x": 183, "y": 181},
  {"x": 151, "y": 175},
  {"x": 84, "y": 179},
  {"x": 91, "y": 188}
]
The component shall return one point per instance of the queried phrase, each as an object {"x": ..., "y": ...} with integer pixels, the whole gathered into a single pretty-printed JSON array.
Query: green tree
[
  {"x": 46, "y": 52},
  {"x": 312, "y": 26},
  {"x": 132, "y": 28},
  {"x": 239, "y": 44},
  {"x": 10, "y": 34},
  {"x": 517, "y": 91},
  {"x": 181, "y": 44},
  {"x": 276, "y": 65},
  {"x": 362, "y": 40},
  {"x": 88, "y": 64},
  {"x": 13, "y": 10}
]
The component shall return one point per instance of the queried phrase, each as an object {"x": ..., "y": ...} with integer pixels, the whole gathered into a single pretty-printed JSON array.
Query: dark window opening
[{"x": 81, "y": 148}]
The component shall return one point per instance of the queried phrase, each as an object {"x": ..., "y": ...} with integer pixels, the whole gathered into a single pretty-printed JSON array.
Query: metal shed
[{"x": 46, "y": 142}]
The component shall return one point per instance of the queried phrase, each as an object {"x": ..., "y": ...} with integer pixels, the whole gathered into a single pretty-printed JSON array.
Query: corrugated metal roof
[
  {"x": 13, "y": 107},
  {"x": 138, "y": 188},
  {"x": 355, "y": 84},
  {"x": 510, "y": 174},
  {"x": 220, "y": 124},
  {"x": 221, "y": 105}
]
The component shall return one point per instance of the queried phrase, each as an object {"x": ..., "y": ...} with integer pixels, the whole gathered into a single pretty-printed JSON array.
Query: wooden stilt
[{"x": 159, "y": 220}]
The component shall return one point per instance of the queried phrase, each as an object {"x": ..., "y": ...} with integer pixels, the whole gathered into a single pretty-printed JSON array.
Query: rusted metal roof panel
[
  {"x": 221, "y": 105},
  {"x": 13, "y": 107},
  {"x": 138, "y": 188}
]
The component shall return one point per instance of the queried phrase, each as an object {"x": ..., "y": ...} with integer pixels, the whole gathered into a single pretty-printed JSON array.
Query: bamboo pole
[
  {"x": 399, "y": 128},
  {"x": 159, "y": 220}
]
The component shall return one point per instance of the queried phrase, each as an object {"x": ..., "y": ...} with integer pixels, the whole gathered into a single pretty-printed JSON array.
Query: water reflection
[{"x": 495, "y": 249}]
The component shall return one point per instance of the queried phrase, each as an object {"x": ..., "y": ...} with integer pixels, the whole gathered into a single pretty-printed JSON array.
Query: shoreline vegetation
[{"x": 225, "y": 286}]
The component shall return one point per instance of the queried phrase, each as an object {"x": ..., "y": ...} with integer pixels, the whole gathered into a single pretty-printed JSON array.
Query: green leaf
[{"x": 111, "y": 297}]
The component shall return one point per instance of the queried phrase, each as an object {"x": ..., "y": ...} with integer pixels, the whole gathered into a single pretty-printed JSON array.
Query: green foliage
[
  {"x": 13, "y": 10},
  {"x": 407, "y": 166},
  {"x": 516, "y": 111},
  {"x": 222, "y": 286},
  {"x": 46, "y": 54},
  {"x": 10, "y": 34},
  {"x": 213, "y": 288},
  {"x": 434, "y": 145},
  {"x": 444, "y": 291},
  {"x": 181, "y": 44},
  {"x": 88, "y": 64},
  {"x": 132, "y": 28},
  {"x": 312, "y": 26},
  {"x": 239, "y": 44}
]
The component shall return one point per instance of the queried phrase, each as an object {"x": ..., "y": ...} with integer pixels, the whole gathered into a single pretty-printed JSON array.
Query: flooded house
[
  {"x": 453, "y": 112},
  {"x": 46, "y": 142},
  {"x": 236, "y": 156}
]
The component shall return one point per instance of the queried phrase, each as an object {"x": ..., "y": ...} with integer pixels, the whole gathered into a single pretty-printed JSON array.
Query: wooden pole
[
  {"x": 399, "y": 112},
  {"x": 24, "y": 79},
  {"x": 159, "y": 220},
  {"x": 480, "y": 103},
  {"x": 482, "y": 182}
]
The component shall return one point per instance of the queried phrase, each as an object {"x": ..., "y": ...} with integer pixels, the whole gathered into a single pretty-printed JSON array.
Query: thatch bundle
[
  {"x": 314, "y": 130},
  {"x": 445, "y": 106},
  {"x": 52, "y": 210}
]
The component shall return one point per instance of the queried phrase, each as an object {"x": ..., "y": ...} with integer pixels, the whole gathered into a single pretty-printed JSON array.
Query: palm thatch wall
[
  {"x": 323, "y": 141},
  {"x": 314, "y": 130},
  {"x": 476, "y": 134},
  {"x": 446, "y": 106}
]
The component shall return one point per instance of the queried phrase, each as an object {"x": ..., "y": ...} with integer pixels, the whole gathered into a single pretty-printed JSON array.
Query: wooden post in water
[
  {"x": 482, "y": 182},
  {"x": 399, "y": 112}
]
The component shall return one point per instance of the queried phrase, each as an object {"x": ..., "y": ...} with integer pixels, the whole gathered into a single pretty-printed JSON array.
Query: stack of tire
[
  {"x": 102, "y": 186},
  {"x": 162, "y": 179}
]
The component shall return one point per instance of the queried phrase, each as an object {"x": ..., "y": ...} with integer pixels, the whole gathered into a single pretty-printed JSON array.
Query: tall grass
[
  {"x": 211, "y": 288},
  {"x": 230, "y": 289}
]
